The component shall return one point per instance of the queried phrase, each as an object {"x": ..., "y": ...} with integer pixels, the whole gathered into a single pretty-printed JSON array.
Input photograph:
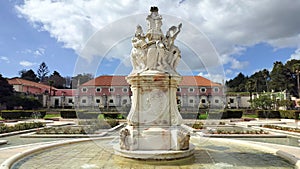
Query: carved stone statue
[
  {"x": 138, "y": 52},
  {"x": 124, "y": 139},
  {"x": 154, "y": 51},
  {"x": 154, "y": 122}
]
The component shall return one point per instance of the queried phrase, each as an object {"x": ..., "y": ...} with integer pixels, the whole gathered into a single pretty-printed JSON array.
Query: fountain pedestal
[{"x": 154, "y": 123}]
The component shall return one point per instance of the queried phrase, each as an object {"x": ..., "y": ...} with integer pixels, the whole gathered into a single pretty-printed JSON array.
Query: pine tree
[{"x": 42, "y": 72}]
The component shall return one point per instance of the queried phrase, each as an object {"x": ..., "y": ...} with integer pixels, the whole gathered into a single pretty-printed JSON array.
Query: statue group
[
  {"x": 154, "y": 125},
  {"x": 153, "y": 50}
]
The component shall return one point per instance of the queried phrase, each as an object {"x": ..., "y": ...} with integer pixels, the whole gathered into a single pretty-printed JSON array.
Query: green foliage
[
  {"x": 198, "y": 125},
  {"x": 268, "y": 114},
  {"x": 290, "y": 129},
  {"x": 42, "y": 71},
  {"x": 225, "y": 114},
  {"x": 68, "y": 114},
  {"x": 25, "y": 102},
  {"x": 18, "y": 114},
  {"x": 20, "y": 126},
  {"x": 289, "y": 114},
  {"x": 28, "y": 75},
  {"x": 282, "y": 77},
  {"x": 262, "y": 102},
  {"x": 237, "y": 84}
]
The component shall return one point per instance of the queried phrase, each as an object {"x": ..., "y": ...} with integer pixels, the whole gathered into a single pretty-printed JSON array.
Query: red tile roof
[
  {"x": 19, "y": 81},
  {"x": 197, "y": 81},
  {"x": 120, "y": 81},
  {"x": 107, "y": 81}
]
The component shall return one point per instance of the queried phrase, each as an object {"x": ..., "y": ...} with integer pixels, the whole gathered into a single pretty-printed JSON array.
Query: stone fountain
[{"x": 154, "y": 129}]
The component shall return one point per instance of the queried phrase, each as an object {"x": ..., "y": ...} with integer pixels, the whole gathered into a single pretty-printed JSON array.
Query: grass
[
  {"x": 52, "y": 115},
  {"x": 249, "y": 116}
]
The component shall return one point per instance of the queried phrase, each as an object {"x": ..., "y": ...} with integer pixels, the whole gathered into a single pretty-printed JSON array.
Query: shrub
[
  {"x": 268, "y": 114},
  {"x": 17, "y": 114},
  {"x": 21, "y": 126},
  {"x": 288, "y": 114},
  {"x": 88, "y": 115},
  {"x": 68, "y": 114}
]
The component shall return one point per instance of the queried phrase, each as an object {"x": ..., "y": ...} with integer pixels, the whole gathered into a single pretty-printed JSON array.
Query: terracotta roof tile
[
  {"x": 19, "y": 81},
  {"x": 107, "y": 81},
  {"x": 120, "y": 81},
  {"x": 197, "y": 81}
]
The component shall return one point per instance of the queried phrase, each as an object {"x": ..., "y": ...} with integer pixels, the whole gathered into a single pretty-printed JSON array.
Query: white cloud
[
  {"x": 5, "y": 59},
  {"x": 27, "y": 63},
  {"x": 296, "y": 55},
  {"x": 230, "y": 25}
]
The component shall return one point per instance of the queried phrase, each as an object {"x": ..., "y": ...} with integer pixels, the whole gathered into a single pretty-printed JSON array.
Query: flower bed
[
  {"x": 290, "y": 129},
  {"x": 21, "y": 126},
  {"x": 84, "y": 127}
]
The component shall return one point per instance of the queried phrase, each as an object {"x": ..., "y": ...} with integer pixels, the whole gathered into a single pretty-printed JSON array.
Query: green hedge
[
  {"x": 268, "y": 114},
  {"x": 289, "y": 114},
  {"x": 227, "y": 114},
  {"x": 18, "y": 114},
  {"x": 68, "y": 114}
]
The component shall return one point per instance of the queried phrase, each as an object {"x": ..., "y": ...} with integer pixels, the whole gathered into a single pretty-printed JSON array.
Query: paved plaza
[{"x": 98, "y": 153}]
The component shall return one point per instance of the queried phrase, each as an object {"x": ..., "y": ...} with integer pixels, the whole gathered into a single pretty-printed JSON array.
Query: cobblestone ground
[{"x": 99, "y": 154}]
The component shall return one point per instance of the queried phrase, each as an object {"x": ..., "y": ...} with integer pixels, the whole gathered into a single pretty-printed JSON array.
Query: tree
[
  {"x": 42, "y": 72},
  {"x": 281, "y": 78},
  {"x": 28, "y": 75},
  {"x": 250, "y": 88},
  {"x": 237, "y": 84},
  {"x": 262, "y": 102},
  {"x": 58, "y": 81},
  {"x": 6, "y": 89},
  {"x": 261, "y": 80},
  {"x": 80, "y": 79}
]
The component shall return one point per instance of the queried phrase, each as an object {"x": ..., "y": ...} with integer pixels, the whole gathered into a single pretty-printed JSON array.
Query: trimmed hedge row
[
  {"x": 18, "y": 114},
  {"x": 88, "y": 115},
  {"x": 227, "y": 114}
]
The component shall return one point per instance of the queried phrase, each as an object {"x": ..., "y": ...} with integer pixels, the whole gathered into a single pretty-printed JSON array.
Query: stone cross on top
[{"x": 155, "y": 51}]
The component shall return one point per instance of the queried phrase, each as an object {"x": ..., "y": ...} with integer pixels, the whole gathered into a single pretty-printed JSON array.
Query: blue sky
[{"x": 247, "y": 36}]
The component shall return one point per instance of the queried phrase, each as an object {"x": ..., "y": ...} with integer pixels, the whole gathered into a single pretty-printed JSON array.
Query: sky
[{"x": 218, "y": 40}]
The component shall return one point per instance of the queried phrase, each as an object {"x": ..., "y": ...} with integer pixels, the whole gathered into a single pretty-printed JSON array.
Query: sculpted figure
[
  {"x": 154, "y": 51},
  {"x": 174, "y": 53},
  {"x": 183, "y": 140},
  {"x": 124, "y": 139},
  {"x": 155, "y": 37},
  {"x": 138, "y": 51}
]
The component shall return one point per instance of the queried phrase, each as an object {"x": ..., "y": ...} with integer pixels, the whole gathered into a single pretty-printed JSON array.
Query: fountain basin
[{"x": 155, "y": 154}]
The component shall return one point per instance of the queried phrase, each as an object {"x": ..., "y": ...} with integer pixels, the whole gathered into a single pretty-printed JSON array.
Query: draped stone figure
[{"x": 155, "y": 51}]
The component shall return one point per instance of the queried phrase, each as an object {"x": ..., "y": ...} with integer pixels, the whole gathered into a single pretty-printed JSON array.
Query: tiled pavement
[{"x": 99, "y": 154}]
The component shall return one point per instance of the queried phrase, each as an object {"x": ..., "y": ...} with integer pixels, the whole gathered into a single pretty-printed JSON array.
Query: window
[
  {"x": 217, "y": 101},
  {"x": 83, "y": 101},
  {"x": 216, "y": 89},
  {"x": 111, "y": 101},
  {"x": 125, "y": 90},
  {"x": 70, "y": 100},
  {"x": 178, "y": 89},
  {"x": 231, "y": 100},
  {"x": 124, "y": 101},
  {"x": 97, "y": 100},
  {"x": 191, "y": 101},
  {"x": 111, "y": 89},
  {"x": 202, "y": 89},
  {"x": 98, "y": 89},
  {"x": 203, "y": 101},
  {"x": 84, "y": 89},
  {"x": 191, "y": 89}
]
